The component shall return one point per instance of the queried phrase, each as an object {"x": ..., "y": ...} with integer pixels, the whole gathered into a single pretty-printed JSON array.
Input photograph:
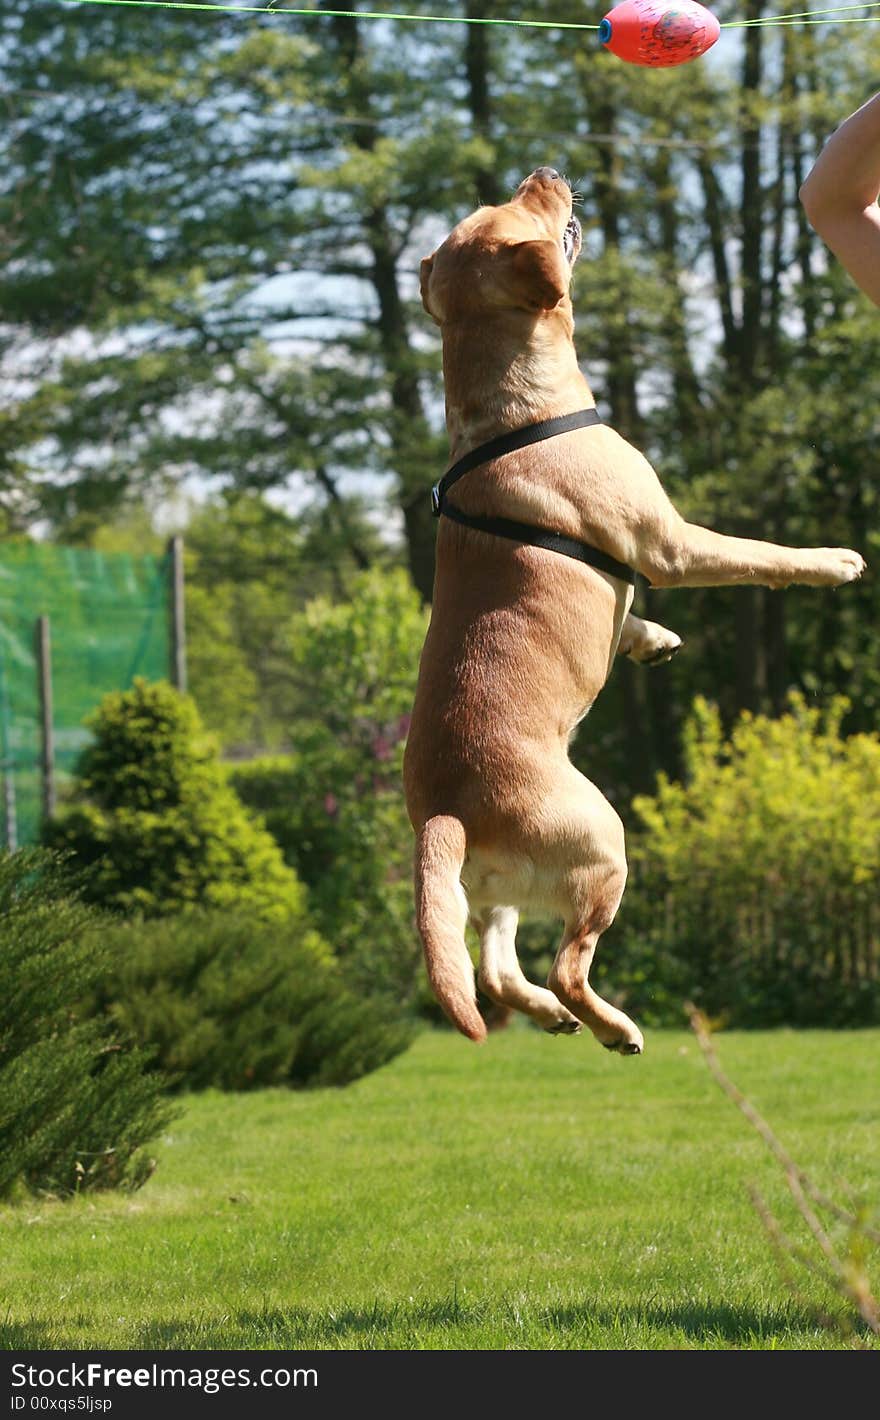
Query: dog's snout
[{"x": 549, "y": 173}]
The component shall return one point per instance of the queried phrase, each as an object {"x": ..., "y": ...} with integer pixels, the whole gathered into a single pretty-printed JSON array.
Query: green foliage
[
  {"x": 359, "y": 657},
  {"x": 223, "y": 999},
  {"x": 755, "y": 882},
  {"x": 271, "y": 785},
  {"x": 336, "y": 804},
  {"x": 220, "y": 678},
  {"x": 779, "y": 795},
  {"x": 715, "y": 328},
  {"x": 250, "y": 567},
  {"x": 157, "y": 823},
  {"x": 76, "y": 1103}
]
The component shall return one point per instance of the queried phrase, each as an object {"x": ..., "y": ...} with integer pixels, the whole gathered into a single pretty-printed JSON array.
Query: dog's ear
[
  {"x": 425, "y": 269},
  {"x": 539, "y": 274}
]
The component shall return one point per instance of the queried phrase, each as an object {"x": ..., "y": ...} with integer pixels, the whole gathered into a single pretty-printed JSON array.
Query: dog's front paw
[{"x": 834, "y": 567}]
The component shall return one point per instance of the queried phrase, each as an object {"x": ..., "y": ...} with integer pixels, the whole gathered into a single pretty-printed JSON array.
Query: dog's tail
[{"x": 441, "y": 914}]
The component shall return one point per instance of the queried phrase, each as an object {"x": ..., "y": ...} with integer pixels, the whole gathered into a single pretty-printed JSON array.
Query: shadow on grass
[
  {"x": 450, "y": 1323},
  {"x": 27, "y": 1336},
  {"x": 697, "y": 1321}
]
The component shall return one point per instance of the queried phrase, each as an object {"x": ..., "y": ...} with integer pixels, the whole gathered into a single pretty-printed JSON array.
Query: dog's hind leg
[
  {"x": 569, "y": 980},
  {"x": 501, "y": 977},
  {"x": 594, "y": 892}
]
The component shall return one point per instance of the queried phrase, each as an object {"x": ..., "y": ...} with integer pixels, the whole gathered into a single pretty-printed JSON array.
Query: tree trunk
[
  {"x": 641, "y": 759},
  {"x": 477, "y": 63},
  {"x": 685, "y": 385},
  {"x": 775, "y": 649},
  {"x": 806, "y": 238},
  {"x": 716, "y": 215},
  {"x": 750, "y": 672},
  {"x": 626, "y": 417},
  {"x": 752, "y": 201},
  {"x": 619, "y": 353},
  {"x": 408, "y": 427}
]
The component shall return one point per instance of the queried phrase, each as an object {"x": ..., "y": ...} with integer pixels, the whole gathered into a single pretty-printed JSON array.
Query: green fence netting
[{"x": 109, "y": 621}]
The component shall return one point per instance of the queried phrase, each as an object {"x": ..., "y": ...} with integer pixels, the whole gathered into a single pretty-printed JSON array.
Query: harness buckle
[{"x": 435, "y": 500}]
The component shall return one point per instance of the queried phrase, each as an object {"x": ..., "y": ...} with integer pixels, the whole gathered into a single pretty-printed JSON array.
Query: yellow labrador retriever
[{"x": 546, "y": 515}]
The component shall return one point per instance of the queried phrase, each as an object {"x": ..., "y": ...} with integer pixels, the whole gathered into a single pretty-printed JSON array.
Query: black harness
[{"x": 524, "y": 532}]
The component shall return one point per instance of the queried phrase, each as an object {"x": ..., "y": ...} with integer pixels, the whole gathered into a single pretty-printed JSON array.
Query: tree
[
  {"x": 336, "y": 803},
  {"x": 249, "y": 566},
  {"x": 154, "y": 824},
  {"x": 77, "y": 1102},
  {"x": 234, "y": 212},
  {"x": 158, "y": 176}
]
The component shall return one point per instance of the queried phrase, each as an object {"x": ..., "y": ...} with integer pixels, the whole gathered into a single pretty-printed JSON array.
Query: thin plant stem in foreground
[{"x": 848, "y": 1276}]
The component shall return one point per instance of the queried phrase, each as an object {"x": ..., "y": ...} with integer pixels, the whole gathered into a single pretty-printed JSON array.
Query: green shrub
[
  {"x": 156, "y": 822},
  {"x": 755, "y": 884},
  {"x": 76, "y": 1104},
  {"x": 336, "y": 804},
  {"x": 227, "y": 1000},
  {"x": 271, "y": 785}
]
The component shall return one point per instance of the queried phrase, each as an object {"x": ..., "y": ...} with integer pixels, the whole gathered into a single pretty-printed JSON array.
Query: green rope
[
  {"x": 808, "y": 17},
  {"x": 340, "y": 14},
  {"x": 781, "y": 24}
]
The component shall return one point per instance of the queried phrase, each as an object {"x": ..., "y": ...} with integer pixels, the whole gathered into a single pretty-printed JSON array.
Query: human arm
[{"x": 840, "y": 195}]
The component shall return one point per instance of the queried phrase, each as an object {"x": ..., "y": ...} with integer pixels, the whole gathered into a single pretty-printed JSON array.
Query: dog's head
[{"x": 517, "y": 257}]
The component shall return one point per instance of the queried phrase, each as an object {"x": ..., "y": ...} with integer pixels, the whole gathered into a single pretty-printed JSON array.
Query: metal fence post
[
  {"x": 47, "y": 733},
  {"x": 178, "y": 618},
  {"x": 10, "y": 816}
]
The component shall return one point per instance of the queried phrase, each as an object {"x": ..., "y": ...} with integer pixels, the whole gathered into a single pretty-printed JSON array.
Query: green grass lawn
[{"x": 532, "y": 1193}]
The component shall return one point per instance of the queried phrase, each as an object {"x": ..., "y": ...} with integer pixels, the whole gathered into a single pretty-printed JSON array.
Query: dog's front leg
[
  {"x": 647, "y": 642},
  {"x": 686, "y": 555}
]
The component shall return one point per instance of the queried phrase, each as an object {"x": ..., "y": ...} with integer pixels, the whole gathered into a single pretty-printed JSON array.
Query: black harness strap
[
  {"x": 524, "y": 532},
  {"x": 506, "y": 444},
  {"x": 540, "y": 537}
]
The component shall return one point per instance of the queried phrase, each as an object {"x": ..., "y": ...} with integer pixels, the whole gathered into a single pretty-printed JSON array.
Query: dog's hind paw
[
  {"x": 661, "y": 655},
  {"x": 628, "y": 1041},
  {"x": 646, "y": 642},
  {"x": 655, "y": 645}
]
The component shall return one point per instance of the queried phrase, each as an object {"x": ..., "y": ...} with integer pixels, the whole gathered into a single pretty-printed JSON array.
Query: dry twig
[{"x": 847, "y": 1276}]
